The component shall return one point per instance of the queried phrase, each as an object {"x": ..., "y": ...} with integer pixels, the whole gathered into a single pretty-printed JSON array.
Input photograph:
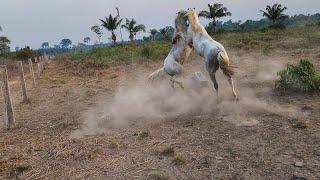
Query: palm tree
[
  {"x": 111, "y": 24},
  {"x": 133, "y": 28},
  {"x": 153, "y": 33},
  {"x": 97, "y": 30},
  {"x": 275, "y": 14},
  {"x": 215, "y": 12}
]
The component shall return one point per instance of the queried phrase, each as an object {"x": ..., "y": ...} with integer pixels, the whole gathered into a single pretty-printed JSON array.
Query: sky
[{"x": 31, "y": 22}]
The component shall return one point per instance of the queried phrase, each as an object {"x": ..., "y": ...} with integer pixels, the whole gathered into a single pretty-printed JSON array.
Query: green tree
[
  {"x": 45, "y": 45},
  {"x": 215, "y": 12},
  {"x": 0, "y": 28},
  {"x": 133, "y": 28},
  {"x": 4, "y": 45},
  {"x": 86, "y": 40},
  {"x": 65, "y": 43},
  {"x": 164, "y": 32},
  {"x": 153, "y": 33},
  {"x": 25, "y": 53},
  {"x": 97, "y": 30},
  {"x": 111, "y": 24},
  {"x": 275, "y": 14}
]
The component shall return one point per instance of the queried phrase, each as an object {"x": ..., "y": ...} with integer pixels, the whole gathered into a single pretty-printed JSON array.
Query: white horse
[
  {"x": 178, "y": 54},
  {"x": 214, "y": 53}
]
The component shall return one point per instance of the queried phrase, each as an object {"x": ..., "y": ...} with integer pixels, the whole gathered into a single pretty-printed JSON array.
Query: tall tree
[
  {"x": 111, "y": 24},
  {"x": 275, "y": 14},
  {"x": 153, "y": 33},
  {"x": 0, "y": 28},
  {"x": 86, "y": 40},
  {"x": 45, "y": 45},
  {"x": 97, "y": 30},
  {"x": 4, "y": 45},
  {"x": 163, "y": 31},
  {"x": 65, "y": 43},
  {"x": 215, "y": 12},
  {"x": 133, "y": 28}
]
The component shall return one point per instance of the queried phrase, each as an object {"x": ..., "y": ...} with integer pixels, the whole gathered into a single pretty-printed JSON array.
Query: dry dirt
[{"x": 112, "y": 126}]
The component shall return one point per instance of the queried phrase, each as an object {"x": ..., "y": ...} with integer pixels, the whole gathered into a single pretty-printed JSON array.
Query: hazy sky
[{"x": 31, "y": 22}]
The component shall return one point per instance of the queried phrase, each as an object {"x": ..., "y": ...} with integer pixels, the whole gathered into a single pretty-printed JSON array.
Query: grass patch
[
  {"x": 178, "y": 161},
  {"x": 144, "y": 134},
  {"x": 22, "y": 167},
  {"x": 300, "y": 125},
  {"x": 114, "y": 145},
  {"x": 168, "y": 151},
  {"x": 156, "y": 176},
  {"x": 302, "y": 77}
]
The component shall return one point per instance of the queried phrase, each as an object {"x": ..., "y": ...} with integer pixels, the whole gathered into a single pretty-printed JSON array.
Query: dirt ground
[{"x": 255, "y": 138}]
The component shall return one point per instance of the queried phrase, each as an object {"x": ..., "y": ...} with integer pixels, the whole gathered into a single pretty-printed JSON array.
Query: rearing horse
[
  {"x": 213, "y": 52},
  {"x": 179, "y": 52}
]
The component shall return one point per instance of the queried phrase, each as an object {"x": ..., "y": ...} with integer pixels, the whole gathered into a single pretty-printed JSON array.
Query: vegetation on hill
[{"x": 264, "y": 40}]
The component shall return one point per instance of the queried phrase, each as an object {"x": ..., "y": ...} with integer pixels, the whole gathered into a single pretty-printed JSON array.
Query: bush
[
  {"x": 301, "y": 77},
  {"x": 26, "y": 53}
]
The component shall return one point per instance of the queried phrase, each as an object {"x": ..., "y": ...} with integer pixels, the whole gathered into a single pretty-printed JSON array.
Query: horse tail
[
  {"x": 224, "y": 64},
  {"x": 156, "y": 74}
]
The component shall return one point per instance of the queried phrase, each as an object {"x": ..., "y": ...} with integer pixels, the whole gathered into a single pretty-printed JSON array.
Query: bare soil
[{"x": 266, "y": 135}]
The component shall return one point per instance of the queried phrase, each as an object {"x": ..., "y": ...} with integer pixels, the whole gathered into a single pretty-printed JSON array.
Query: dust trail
[{"x": 140, "y": 104}]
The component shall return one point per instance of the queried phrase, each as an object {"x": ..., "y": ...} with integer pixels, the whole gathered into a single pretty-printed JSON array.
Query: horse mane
[
  {"x": 180, "y": 22},
  {"x": 194, "y": 21}
]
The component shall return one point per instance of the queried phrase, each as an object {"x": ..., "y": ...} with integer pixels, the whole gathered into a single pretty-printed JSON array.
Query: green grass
[
  {"x": 125, "y": 54},
  {"x": 22, "y": 167},
  {"x": 84, "y": 63},
  {"x": 265, "y": 40},
  {"x": 289, "y": 38}
]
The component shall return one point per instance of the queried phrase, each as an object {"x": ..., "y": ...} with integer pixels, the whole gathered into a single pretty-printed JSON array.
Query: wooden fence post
[
  {"x": 9, "y": 115},
  {"x": 23, "y": 82},
  {"x": 32, "y": 73}
]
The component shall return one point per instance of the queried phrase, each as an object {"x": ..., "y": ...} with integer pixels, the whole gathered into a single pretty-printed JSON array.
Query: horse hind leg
[
  {"x": 214, "y": 81},
  {"x": 230, "y": 80}
]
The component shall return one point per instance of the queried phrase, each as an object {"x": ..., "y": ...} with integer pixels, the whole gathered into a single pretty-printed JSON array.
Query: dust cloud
[{"x": 140, "y": 104}]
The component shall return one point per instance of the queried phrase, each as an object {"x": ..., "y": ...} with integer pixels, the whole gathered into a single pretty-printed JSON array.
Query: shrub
[
  {"x": 302, "y": 77},
  {"x": 26, "y": 53}
]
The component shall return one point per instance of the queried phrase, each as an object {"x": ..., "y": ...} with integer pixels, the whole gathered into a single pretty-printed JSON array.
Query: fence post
[
  {"x": 9, "y": 115},
  {"x": 23, "y": 82},
  {"x": 32, "y": 73}
]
